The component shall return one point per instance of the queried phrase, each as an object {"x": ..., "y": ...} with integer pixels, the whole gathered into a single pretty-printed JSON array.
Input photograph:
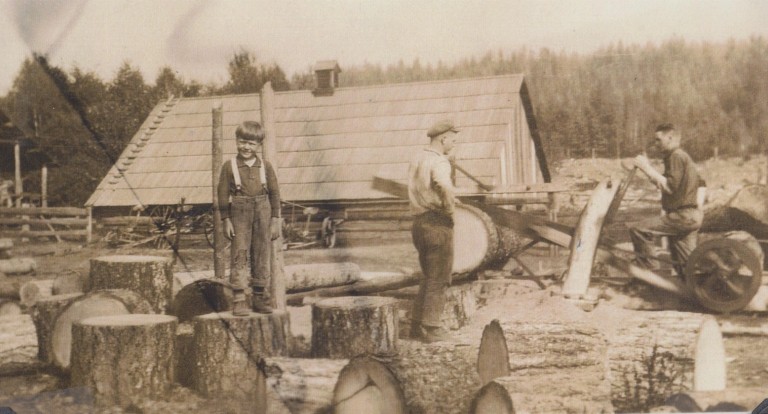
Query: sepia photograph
[{"x": 383, "y": 206}]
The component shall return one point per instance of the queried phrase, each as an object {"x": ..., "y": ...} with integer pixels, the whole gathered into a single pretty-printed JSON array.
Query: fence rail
[{"x": 58, "y": 222}]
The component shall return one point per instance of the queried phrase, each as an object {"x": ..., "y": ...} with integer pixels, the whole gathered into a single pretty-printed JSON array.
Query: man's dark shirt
[{"x": 682, "y": 179}]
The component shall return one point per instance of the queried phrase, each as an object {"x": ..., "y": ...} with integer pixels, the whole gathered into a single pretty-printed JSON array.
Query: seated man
[{"x": 679, "y": 185}]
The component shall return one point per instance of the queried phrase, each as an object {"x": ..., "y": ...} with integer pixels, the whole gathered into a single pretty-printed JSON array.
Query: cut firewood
[
  {"x": 349, "y": 326},
  {"x": 298, "y": 386},
  {"x": 227, "y": 349},
  {"x": 35, "y": 290},
  {"x": 124, "y": 359},
  {"x": 149, "y": 276},
  {"x": 55, "y": 315}
]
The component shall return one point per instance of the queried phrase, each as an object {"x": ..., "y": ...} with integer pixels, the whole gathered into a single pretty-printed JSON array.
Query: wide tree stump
[
  {"x": 666, "y": 349},
  {"x": 149, "y": 276},
  {"x": 124, "y": 359},
  {"x": 565, "y": 359},
  {"x": 227, "y": 349},
  {"x": 349, "y": 326},
  {"x": 55, "y": 315},
  {"x": 201, "y": 297},
  {"x": 506, "y": 395},
  {"x": 423, "y": 378},
  {"x": 34, "y": 290},
  {"x": 298, "y": 386}
]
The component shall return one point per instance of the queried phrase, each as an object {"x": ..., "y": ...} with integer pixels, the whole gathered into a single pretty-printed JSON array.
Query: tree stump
[
  {"x": 566, "y": 360},
  {"x": 34, "y": 290},
  {"x": 149, "y": 276},
  {"x": 349, "y": 326},
  {"x": 298, "y": 386},
  {"x": 662, "y": 351},
  {"x": 439, "y": 377},
  {"x": 124, "y": 359},
  {"x": 201, "y": 297},
  {"x": 54, "y": 317},
  {"x": 227, "y": 349},
  {"x": 460, "y": 305}
]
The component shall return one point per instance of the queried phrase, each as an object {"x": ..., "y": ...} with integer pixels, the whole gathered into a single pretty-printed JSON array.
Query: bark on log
[
  {"x": 149, "y": 276},
  {"x": 124, "y": 359},
  {"x": 298, "y": 386},
  {"x": 54, "y": 317},
  {"x": 227, "y": 349},
  {"x": 566, "y": 360},
  {"x": 312, "y": 276},
  {"x": 346, "y": 327},
  {"x": 585, "y": 240},
  {"x": 9, "y": 307},
  {"x": 18, "y": 265},
  {"x": 34, "y": 290},
  {"x": 662, "y": 346},
  {"x": 426, "y": 378},
  {"x": 18, "y": 345},
  {"x": 478, "y": 242},
  {"x": 201, "y": 297}
]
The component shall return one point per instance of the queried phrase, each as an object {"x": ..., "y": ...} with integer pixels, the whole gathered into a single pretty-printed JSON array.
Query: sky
[{"x": 198, "y": 37}]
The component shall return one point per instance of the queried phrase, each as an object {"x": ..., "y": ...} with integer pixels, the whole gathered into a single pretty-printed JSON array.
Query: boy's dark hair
[
  {"x": 250, "y": 131},
  {"x": 664, "y": 128}
]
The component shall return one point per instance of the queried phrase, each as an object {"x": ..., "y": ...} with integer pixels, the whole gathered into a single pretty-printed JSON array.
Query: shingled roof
[{"x": 330, "y": 147}]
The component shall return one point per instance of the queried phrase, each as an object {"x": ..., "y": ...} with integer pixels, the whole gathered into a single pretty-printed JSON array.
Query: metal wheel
[
  {"x": 328, "y": 233},
  {"x": 723, "y": 275}
]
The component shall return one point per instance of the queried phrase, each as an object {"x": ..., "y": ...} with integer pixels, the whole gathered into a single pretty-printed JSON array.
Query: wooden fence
[{"x": 58, "y": 222}]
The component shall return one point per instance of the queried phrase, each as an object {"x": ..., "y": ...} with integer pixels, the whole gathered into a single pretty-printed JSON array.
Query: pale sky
[{"x": 197, "y": 38}]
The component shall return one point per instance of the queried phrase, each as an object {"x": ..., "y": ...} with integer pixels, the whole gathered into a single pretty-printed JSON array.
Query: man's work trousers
[
  {"x": 679, "y": 226},
  {"x": 252, "y": 244},
  {"x": 433, "y": 237}
]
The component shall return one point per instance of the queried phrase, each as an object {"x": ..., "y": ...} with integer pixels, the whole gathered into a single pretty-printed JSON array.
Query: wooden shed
[{"x": 331, "y": 145}]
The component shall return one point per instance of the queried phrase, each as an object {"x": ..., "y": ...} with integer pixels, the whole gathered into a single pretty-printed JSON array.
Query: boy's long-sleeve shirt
[{"x": 251, "y": 185}]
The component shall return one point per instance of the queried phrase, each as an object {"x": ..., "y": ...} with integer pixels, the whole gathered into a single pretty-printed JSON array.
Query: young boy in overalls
[{"x": 249, "y": 201}]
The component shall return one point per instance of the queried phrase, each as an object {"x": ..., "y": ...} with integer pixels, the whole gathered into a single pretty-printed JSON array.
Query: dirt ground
[{"x": 747, "y": 361}]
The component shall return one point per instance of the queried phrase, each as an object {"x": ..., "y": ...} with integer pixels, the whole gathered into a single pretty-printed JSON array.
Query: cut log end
[
  {"x": 709, "y": 371},
  {"x": 492, "y": 399},
  {"x": 493, "y": 357},
  {"x": 368, "y": 386}
]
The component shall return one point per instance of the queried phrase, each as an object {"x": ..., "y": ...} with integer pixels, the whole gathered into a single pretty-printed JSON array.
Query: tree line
[{"x": 608, "y": 101}]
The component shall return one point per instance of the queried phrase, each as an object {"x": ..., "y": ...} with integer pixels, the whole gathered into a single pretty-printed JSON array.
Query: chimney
[{"x": 326, "y": 77}]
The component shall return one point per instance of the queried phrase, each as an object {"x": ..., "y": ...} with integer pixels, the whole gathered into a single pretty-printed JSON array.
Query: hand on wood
[{"x": 229, "y": 230}]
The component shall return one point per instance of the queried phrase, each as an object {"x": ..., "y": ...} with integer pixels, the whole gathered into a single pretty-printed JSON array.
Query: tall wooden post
[
  {"x": 277, "y": 289},
  {"x": 217, "y": 136},
  {"x": 17, "y": 170},
  {"x": 44, "y": 186}
]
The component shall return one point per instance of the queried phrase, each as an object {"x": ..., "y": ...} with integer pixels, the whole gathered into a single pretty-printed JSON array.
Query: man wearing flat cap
[{"x": 432, "y": 199}]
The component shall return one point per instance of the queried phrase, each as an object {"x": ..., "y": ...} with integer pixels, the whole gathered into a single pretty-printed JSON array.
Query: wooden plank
[
  {"x": 43, "y": 233},
  {"x": 44, "y": 211},
  {"x": 43, "y": 221}
]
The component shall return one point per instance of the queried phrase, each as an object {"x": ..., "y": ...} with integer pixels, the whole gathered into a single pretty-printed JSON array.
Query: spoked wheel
[
  {"x": 328, "y": 233},
  {"x": 723, "y": 275},
  {"x": 164, "y": 223}
]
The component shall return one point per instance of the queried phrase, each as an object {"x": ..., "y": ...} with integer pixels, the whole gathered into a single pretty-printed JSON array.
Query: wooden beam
[
  {"x": 17, "y": 171},
  {"x": 217, "y": 136},
  {"x": 47, "y": 211}
]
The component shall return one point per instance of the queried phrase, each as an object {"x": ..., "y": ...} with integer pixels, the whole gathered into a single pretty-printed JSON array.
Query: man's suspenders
[{"x": 239, "y": 182}]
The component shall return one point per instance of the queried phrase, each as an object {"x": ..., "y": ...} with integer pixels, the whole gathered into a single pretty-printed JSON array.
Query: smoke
[{"x": 45, "y": 24}]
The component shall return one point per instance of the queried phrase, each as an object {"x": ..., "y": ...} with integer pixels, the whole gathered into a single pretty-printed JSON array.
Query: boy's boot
[
  {"x": 240, "y": 303},
  {"x": 260, "y": 301}
]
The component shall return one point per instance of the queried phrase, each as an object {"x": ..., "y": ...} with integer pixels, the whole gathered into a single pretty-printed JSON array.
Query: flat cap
[{"x": 441, "y": 127}]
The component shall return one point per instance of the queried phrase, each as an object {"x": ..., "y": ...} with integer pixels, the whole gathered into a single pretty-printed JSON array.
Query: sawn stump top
[
  {"x": 131, "y": 259},
  {"x": 135, "y": 319},
  {"x": 349, "y": 302}
]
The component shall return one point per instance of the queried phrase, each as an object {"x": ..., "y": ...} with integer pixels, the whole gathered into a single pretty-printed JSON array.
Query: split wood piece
[
  {"x": 503, "y": 396},
  {"x": 18, "y": 265},
  {"x": 71, "y": 282},
  {"x": 124, "y": 359},
  {"x": 669, "y": 344},
  {"x": 9, "y": 307},
  {"x": 55, "y": 315},
  {"x": 302, "y": 277},
  {"x": 349, "y": 326},
  {"x": 227, "y": 349},
  {"x": 585, "y": 239},
  {"x": 298, "y": 386},
  {"x": 478, "y": 242},
  {"x": 18, "y": 345},
  {"x": 200, "y": 297},
  {"x": 34, "y": 290},
  {"x": 149, "y": 276},
  {"x": 440, "y": 377},
  {"x": 565, "y": 359}
]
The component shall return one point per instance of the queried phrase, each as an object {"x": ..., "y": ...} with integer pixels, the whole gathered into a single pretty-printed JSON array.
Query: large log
[
  {"x": 439, "y": 377},
  {"x": 666, "y": 348},
  {"x": 298, "y": 386},
  {"x": 70, "y": 282},
  {"x": 55, "y": 315},
  {"x": 566, "y": 360},
  {"x": 18, "y": 345},
  {"x": 227, "y": 349},
  {"x": 301, "y": 277},
  {"x": 18, "y": 265},
  {"x": 124, "y": 359},
  {"x": 478, "y": 242},
  {"x": 34, "y": 290},
  {"x": 346, "y": 327},
  {"x": 149, "y": 276}
]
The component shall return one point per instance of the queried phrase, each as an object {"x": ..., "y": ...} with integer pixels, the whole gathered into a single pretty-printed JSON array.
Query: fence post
[
  {"x": 217, "y": 136},
  {"x": 89, "y": 226}
]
